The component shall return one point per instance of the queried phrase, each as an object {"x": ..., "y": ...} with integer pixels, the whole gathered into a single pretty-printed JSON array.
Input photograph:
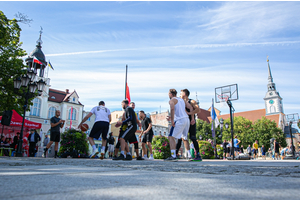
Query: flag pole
[
  {"x": 126, "y": 81},
  {"x": 214, "y": 131}
]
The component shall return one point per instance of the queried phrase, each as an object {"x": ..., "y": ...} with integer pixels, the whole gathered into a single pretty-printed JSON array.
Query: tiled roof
[
  {"x": 56, "y": 95},
  {"x": 252, "y": 115},
  {"x": 60, "y": 96},
  {"x": 203, "y": 115}
]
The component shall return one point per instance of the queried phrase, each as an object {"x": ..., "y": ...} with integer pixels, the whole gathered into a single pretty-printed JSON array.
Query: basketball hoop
[{"x": 223, "y": 98}]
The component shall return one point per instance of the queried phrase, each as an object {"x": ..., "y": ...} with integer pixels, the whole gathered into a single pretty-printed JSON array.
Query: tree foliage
[
  {"x": 11, "y": 63},
  {"x": 246, "y": 131}
]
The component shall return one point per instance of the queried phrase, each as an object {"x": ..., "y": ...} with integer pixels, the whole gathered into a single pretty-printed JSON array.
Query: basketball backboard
[
  {"x": 228, "y": 92},
  {"x": 292, "y": 117}
]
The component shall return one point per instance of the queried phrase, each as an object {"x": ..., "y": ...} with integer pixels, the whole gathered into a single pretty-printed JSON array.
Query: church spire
[
  {"x": 39, "y": 41},
  {"x": 271, "y": 85},
  {"x": 270, "y": 78}
]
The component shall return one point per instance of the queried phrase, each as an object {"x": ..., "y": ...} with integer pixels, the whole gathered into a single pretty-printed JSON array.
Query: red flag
[
  {"x": 35, "y": 60},
  {"x": 127, "y": 93}
]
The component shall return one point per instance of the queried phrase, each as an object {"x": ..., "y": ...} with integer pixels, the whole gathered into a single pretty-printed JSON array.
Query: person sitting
[{"x": 283, "y": 152}]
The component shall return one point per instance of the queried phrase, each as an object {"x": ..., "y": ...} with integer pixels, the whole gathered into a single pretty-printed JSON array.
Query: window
[
  {"x": 36, "y": 107},
  {"x": 51, "y": 112},
  {"x": 73, "y": 111},
  {"x": 73, "y": 99},
  {"x": 272, "y": 109},
  {"x": 53, "y": 97}
]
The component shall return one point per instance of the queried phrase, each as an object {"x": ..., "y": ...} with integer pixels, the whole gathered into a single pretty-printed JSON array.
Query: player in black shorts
[
  {"x": 185, "y": 93},
  {"x": 56, "y": 124},
  {"x": 133, "y": 140},
  {"x": 129, "y": 133},
  {"x": 148, "y": 134}
]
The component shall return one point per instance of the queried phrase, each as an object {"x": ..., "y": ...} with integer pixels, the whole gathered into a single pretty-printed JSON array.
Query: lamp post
[
  {"x": 221, "y": 125},
  {"x": 292, "y": 142},
  {"x": 29, "y": 87},
  {"x": 291, "y": 118}
]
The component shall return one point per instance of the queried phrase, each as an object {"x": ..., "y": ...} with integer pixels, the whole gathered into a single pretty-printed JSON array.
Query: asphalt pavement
[{"x": 49, "y": 178}]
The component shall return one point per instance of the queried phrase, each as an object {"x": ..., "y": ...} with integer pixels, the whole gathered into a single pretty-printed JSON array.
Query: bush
[
  {"x": 220, "y": 151},
  {"x": 161, "y": 147},
  {"x": 74, "y": 140},
  {"x": 206, "y": 150}
]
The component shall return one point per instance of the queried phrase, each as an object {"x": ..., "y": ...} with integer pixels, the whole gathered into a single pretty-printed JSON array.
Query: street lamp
[
  {"x": 292, "y": 118},
  {"x": 226, "y": 125},
  {"x": 292, "y": 142},
  {"x": 28, "y": 81}
]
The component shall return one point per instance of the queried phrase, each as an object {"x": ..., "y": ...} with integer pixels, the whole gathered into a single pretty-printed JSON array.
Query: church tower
[{"x": 273, "y": 101}]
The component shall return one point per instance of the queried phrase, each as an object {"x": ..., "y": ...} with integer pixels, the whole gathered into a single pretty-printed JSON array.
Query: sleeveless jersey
[
  {"x": 188, "y": 110},
  {"x": 180, "y": 109}
]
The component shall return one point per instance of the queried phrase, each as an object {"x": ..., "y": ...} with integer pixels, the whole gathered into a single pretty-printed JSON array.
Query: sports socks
[
  {"x": 94, "y": 148},
  {"x": 103, "y": 149},
  {"x": 173, "y": 153},
  {"x": 188, "y": 153}
]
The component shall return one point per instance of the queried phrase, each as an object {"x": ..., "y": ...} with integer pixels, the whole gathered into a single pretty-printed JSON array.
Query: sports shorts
[
  {"x": 147, "y": 138},
  {"x": 55, "y": 136},
  {"x": 100, "y": 128},
  {"x": 181, "y": 128},
  {"x": 111, "y": 148}
]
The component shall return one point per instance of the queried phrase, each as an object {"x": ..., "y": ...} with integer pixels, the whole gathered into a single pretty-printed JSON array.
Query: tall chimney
[{"x": 67, "y": 91}]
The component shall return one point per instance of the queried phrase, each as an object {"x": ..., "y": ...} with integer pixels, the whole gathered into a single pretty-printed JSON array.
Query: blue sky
[{"x": 194, "y": 45}]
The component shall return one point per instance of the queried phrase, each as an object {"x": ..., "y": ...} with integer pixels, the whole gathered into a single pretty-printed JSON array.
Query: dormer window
[
  {"x": 53, "y": 97},
  {"x": 73, "y": 99}
]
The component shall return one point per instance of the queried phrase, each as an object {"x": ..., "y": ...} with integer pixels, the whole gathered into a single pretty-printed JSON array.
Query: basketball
[{"x": 84, "y": 127}]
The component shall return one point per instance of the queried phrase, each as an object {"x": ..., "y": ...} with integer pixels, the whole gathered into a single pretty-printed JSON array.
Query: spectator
[
  {"x": 5, "y": 144},
  {"x": 255, "y": 149},
  {"x": 270, "y": 153},
  {"x": 283, "y": 152},
  {"x": 46, "y": 141},
  {"x": 263, "y": 152},
  {"x": 249, "y": 151},
  {"x": 16, "y": 140},
  {"x": 242, "y": 149},
  {"x": 225, "y": 149},
  {"x": 33, "y": 138},
  {"x": 276, "y": 149}
]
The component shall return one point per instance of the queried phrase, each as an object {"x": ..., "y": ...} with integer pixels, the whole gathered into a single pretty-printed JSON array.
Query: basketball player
[
  {"x": 185, "y": 93},
  {"x": 100, "y": 127},
  {"x": 180, "y": 123},
  {"x": 129, "y": 133},
  {"x": 147, "y": 132},
  {"x": 133, "y": 140}
]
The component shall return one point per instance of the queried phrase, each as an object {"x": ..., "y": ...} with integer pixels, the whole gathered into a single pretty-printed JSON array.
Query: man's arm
[
  {"x": 85, "y": 118},
  {"x": 195, "y": 107},
  {"x": 109, "y": 118},
  {"x": 172, "y": 111},
  {"x": 55, "y": 124}
]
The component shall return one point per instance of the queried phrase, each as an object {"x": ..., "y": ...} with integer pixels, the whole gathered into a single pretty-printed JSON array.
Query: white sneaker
[{"x": 151, "y": 158}]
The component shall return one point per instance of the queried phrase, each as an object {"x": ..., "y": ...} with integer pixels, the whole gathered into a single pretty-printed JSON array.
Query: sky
[{"x": 193, "y": 45}]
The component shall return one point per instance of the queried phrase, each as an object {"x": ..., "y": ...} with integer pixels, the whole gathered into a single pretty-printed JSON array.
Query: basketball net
[{"x": 223, "y": 100}]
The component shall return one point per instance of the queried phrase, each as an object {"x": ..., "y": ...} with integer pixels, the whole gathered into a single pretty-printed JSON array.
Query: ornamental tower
[{"x": 273, "y": 101}]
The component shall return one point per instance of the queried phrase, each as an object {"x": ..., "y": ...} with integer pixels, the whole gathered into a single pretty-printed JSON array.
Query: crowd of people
[
  {"x": 182, "y": 119},
  {"x": 253, "y": 150}
]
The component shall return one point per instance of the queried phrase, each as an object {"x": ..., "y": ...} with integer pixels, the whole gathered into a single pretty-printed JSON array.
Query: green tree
[
  {"x": 203, "y": 129},
  {"x": 242, "y": 128},
  {"x": 265, "y": 129},
  {"x": 11, "y": 62}
]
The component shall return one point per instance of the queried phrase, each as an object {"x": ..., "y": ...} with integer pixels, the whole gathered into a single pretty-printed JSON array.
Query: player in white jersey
[
  {"x": 180, "y": 123},
  {"x": 101, "y": 126}
]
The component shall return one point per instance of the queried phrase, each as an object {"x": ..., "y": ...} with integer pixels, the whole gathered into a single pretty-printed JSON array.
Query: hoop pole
[{"x": 231, "y": 122}]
